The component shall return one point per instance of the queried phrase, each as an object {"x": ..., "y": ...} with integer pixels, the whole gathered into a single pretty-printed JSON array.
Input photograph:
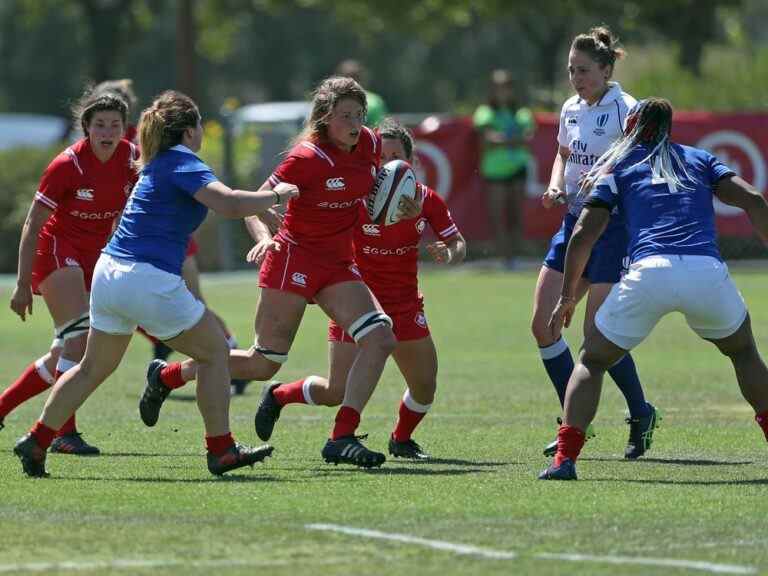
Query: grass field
[{"x": 698, "y": 503}]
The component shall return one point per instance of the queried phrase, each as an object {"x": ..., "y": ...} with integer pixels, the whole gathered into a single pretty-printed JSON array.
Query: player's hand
[
  {"x": 410, "y": 207},
  {"x": 272, "y": 219},
  {"x": 440, "y": 252},
  {"x": 561, "y": 316},
  {"x": 257, "y": 254},
  {"x": 21, "y": 301},
  {"x": 553, "y": 196},
  {"x": 286, "y": 191}
]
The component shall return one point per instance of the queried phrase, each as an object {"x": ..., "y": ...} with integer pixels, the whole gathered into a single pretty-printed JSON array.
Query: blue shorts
[{"x": 608, "y": 260}]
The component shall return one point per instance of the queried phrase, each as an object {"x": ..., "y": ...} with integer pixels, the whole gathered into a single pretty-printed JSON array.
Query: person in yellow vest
[
  {"x": 505, "y": 128},
  {"x": 377, "y": 109}
]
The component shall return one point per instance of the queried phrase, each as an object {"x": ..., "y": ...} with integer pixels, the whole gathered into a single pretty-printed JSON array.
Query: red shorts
[
  {"x": 407, "y": 324},
  {"x": 294, "y": 269},
  {"x": 192, "y": 247},
  {"x": 56, "y": 252}
]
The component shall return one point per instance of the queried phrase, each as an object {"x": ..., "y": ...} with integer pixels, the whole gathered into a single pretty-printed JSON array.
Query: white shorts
[
  {"x": 699, "y": 287},
  {"x": 126, "y": 294}
]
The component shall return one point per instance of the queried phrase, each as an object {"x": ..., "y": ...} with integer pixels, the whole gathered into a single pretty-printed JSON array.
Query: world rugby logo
[{"x": 732, "y": 148}]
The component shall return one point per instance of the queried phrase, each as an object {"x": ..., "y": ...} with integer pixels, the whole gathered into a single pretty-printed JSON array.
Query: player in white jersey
[{"x": 589, "y": 122}]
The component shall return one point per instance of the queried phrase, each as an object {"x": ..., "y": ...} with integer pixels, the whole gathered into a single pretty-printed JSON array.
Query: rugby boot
[
  {"x": 73, "y": 444},
  {"x": 155, "y": 393},
  {"x": 566, "y": 471},
  {"x": 349, "y": 450},
  {"x": 31, "y": 455},
  {"x": 551, "y": 448},
  {"x": 641, "y": 433},
  {"x": 408, "y": 449},
  {"x": 237, "y": 456},
  {"x": 267, "y": 413}
]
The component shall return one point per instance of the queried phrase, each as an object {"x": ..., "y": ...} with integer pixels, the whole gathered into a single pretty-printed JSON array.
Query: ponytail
[{"x": 163, "y": 124}]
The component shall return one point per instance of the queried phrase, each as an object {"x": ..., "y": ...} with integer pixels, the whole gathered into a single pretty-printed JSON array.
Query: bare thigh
[
  {"x": 417, "y": 361},
  {"x": 278, "y": 317},
  {"x": 549, "y": 286},
  {"x": 345, "y": 302},
  {"x": 597, "y": 295},
  {"x": 204, "y": 341},
  {"x": 65, "y": 294}
]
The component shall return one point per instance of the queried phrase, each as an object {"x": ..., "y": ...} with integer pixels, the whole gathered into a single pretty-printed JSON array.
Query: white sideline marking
[
  {"x": 125, "y": 565},
  {"x": 501, "y": 555},
  {"x": 436, "y": 544}
]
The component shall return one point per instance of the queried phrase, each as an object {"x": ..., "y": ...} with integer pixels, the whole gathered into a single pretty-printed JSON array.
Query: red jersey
[
  {"x": 85, "y": 194},
  {"x": 332, "y": 184},
  {"x": 387, "y": 256}
]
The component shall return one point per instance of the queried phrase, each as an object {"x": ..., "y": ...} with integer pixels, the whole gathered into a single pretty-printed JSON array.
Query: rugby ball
[{"x": 395, "y": 180}]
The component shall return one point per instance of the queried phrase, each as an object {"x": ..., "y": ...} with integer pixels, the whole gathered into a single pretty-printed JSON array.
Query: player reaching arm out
[{"x": 735, "y": 191}]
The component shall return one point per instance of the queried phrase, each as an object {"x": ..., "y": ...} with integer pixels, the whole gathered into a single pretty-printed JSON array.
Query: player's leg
[
  {"x": 498, "y": 195},
  {"x": 36, "y": 378},
  {"x": 351, "y": 305},
  {"x": 65, "y": 295},
  {"x": 417, "y": 361},
  {"x": 102, "y": 356}
]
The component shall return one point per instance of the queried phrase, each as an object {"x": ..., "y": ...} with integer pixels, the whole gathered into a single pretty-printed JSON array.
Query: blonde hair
[
  {"x": 163, "y": 124},
  {"x": 324, "y": 100}
]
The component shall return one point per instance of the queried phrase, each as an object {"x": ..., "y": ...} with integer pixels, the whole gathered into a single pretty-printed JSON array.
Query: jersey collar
[
  {"x": 612, "y": 94},
  {"x": 182, "y": 148}
]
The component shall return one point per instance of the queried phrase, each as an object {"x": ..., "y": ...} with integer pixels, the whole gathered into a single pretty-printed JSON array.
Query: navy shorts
[{"x": 608, "y": 260}]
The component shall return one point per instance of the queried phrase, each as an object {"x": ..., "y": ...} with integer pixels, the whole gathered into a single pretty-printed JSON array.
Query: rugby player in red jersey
[
  {"x": 71, "y": 217},
  {"x": 387, "y": 259},
  {"x": 310, "y": 259}
]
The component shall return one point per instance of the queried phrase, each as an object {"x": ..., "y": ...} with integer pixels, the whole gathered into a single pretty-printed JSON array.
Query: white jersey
[{"x": 588, "y": 131}]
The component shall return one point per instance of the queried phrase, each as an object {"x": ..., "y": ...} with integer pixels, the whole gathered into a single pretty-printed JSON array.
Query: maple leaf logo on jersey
[
  {"x": 421, "y": 320},
  {"x": 84, "y": 194},
  {"x": 127, "y": 190},
  {"x": 420, "y": 225},
  {"x": 299, "y": 279},
  {"x": 335, "y": 184}
]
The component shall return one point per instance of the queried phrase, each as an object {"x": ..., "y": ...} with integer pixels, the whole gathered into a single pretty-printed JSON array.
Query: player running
[
  {"x": 589, "y": 122},
  {"x": 137, "y": 281},
  {"x": 664, "y": 192},
  {"x": 310, "y": 259},
  {"x": 81, "y": 193},
  {"x": 387, "y": 257}
]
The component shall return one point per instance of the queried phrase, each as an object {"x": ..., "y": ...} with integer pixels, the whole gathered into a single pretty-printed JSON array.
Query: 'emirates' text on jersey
[
  {"x": 387, "y": 255},
  {"x": 86, "y": 194},
  {"x": 332, "y": 183},
  {"x": 664, "y": 218},
  {"x": 587, "y": 131}
]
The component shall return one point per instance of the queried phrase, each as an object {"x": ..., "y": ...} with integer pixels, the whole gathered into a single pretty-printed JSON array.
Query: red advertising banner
[{"x": 448, "y": 152}]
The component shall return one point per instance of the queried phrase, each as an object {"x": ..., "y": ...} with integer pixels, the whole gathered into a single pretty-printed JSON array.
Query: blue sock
[
  {"x": 624, "y": 373},
  {"x": 559, "y": 364}
]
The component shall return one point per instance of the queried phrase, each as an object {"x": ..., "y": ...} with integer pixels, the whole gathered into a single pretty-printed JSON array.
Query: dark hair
[
  {"x": 391, "y": 129},
  {"x": 324, "y": 100},
  {"x": 122, "y": 87},
  {"x": 650, "y": 121},
  {"x": 163, "y": 124},
  {"x": 500, "y": 77},
  {"x": 91, "y": 102},
  {"x": 600, "y": 45}
]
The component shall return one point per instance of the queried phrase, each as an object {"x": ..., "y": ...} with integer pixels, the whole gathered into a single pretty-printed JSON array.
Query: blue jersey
[
  {"x": 162, "y": 213},
  {"x": 662, "y": 217}
]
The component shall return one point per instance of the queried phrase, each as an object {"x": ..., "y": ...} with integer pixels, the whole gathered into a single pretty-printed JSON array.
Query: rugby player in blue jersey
[
  {"x": 137, "y": 281},
  {"x": 664, "y": 193},
  {"x": 590, "y": 121}
]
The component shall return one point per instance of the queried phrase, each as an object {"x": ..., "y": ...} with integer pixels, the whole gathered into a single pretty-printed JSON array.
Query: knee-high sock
[
  {"x": 410, "y": 414},
  {"x": 558, "y": 363},
  {"x": 31, "y": 382},
  {"x": 624, "y": 373}
]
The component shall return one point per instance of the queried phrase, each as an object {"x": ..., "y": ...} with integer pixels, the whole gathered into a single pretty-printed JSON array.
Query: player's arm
[
  {"x": 451, "y": 251},
  {"x": 21, "y": 300},
  {"x": 592, "y": 222},
  {"x": 555, "y": 192},
  {"x": 241, "y": 203},
  {"x": 737, "y": 192}
]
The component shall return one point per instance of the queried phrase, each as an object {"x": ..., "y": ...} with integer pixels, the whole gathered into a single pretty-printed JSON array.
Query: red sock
[
  {"x": 29, "y": 384},
  {"x": 217, "y": 445},
  {"x": 406, "y": 423},
  {"x": 70, "y": 427},
  {"x": 762, "y": 421},
  {"x": 347, "y": 420},
  {"x": 570, "y": 441},
  {"x": 171, "y": 376},
  {"x": 291, "y": 393},
  {"x": 43, "y": 435}
]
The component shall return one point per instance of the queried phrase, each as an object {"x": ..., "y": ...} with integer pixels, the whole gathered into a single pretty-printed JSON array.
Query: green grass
[{"x": 700, "y": 495}]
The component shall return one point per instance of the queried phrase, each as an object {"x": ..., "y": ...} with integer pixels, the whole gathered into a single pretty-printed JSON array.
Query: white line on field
[
  {"x": 436, "y": 544},
  {"x": 508, "y": 555},
  {"x": 71, "y": 566}
]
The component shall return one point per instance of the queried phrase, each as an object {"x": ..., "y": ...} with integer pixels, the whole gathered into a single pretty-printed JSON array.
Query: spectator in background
[
  {"x": 506, "y": 127},
  {"x": 377, "y": 109}
]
